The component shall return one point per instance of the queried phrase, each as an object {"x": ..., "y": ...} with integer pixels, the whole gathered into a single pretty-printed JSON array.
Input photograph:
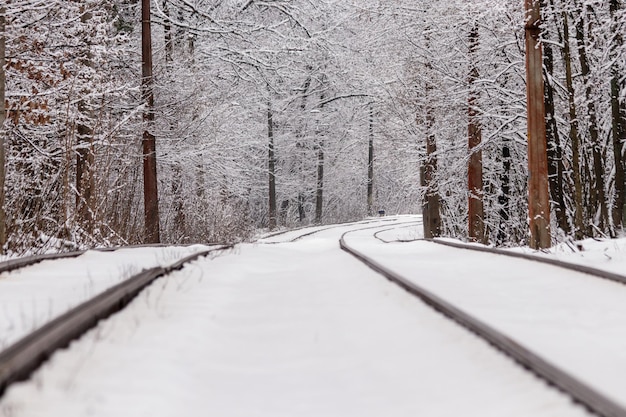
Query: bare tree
[
  {"x": 150, "y": 193},
  {"x": 3, "y": 235},
  {"x": 476, "y": 212}
]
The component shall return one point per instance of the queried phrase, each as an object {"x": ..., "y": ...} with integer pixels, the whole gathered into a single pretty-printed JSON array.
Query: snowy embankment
[
  {"x": 286, "y": 329},
  {"x": 32, "y": 296},
  {"x": 605, "y": 254}
]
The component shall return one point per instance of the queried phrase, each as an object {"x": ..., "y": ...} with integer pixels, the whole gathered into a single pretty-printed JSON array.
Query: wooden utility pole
[
  {"x": 150, "y": 193},
  {"x": 476, "y": 226},
  {"x": 538, "y": 200},
  {"x": 3, "y": 221}
]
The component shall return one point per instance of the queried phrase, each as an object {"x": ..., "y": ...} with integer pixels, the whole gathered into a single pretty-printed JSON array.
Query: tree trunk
[
  {"x": 556, "y": 170},
  {"x": 618, "y": 123},
  {"x": 574, "y": 136},
  {"x": 271, "y": 165},
  {"x": 505, "y": 195},
  {"x": 167, "y": 30},
  {"x": 150, "y": 193},
  {"x": 476, "y": 215},
  {"x": 3, "y": 219},
  {"x": 85, "y": 159},
  {"x": 319, "y": 187},
  {"x": 370, "y": 166},
  {"x": 300, "y": 145},
  {"x": 431, "y": 204},
  {"x": 538, "y": 201},
  {"x": 597, "y": 189},
  {"x": 319, "y": 192}
]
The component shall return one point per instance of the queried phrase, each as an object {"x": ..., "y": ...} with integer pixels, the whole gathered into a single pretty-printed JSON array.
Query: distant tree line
[{"x": 277, "y": 113}]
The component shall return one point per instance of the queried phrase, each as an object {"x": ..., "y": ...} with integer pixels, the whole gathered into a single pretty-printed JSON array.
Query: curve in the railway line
[
  {"x": 319, "y": 229},
  {"x": 580, "y": 392}
]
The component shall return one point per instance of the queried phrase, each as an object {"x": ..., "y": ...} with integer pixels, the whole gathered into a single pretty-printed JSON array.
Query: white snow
[
  {"x": 574, "y": 320},
  {"x": 29, "y": 297},
  {"x": 303, "y": 329}
]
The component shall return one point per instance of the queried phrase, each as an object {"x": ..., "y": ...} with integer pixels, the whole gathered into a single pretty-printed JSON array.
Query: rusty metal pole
[
  {"x": 538, "y": 195},
  {"x": 150, "y": 193}
]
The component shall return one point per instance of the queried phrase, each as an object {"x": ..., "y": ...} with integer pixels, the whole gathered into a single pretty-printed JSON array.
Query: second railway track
[
  {"x": 578, "y": 389},
  {"x": 20, "y": 359}
]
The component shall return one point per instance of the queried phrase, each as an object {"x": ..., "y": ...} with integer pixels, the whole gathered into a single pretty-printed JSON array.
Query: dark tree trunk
[
  {"x": 3, "y": 221},
  {"x": 150, "y": 193},
  {"x": 370, "y": 165},
  {"x": 167, "y": 29},
  {"x": 431, "y": 204},
  {"x": 476, "y": 215},
  {"x": 574, "y": 135},
  {"x": 597, "y": 189},
  {"x": 618, "y": 123},
  {"x": 505, "y": 195},
  {"x": 300, "y": 145},
  {"x": 85, "y": 181},
  {"x": 319, "y": 188},
  {"x": 556, "y": 170},
  {"x": 319, "y": 192},
  {"x": 271, "y": 165}
]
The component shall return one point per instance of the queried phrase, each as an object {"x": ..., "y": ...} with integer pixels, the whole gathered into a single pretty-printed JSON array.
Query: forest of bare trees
[{"x": 275, "y": 113}]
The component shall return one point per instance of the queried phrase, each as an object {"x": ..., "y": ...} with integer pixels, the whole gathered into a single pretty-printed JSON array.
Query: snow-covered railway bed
[
  {"x": 35, "y": 293},
  {"x": 290, "y": 329},
  {"x": 572, "y": 320},
  {"x": 19, "y": 360}
]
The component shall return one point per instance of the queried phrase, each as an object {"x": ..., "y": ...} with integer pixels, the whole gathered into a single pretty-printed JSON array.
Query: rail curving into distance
[
  {"x": 555, "y": 262},
  {"x": 580, "y": 392}
]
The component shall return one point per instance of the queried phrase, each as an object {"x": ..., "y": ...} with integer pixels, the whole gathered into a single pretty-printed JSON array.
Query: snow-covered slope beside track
[{"x": 34, "y": 295}]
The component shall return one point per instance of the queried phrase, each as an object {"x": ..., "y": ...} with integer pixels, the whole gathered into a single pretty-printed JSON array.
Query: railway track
[
  {"x": 595, "y": 272},
  {"x": 581, "y": 392},
  {"x": 25, "y": 261},
  {"x": 303, "y": 232},
  {"x": 17, "y": 362},
  {"x": 20, "y": 359}
]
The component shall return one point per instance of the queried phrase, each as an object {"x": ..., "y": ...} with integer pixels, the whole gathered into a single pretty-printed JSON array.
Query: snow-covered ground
[
  {"x": 30, "y": 297},
  {"x": 300, "y": 328},
  {"x": 606, "y": 254},
  {"x": 576, "y": 321}
]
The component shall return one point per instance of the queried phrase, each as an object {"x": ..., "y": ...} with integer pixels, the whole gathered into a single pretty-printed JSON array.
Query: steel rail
[
  {"x": 321, "y": 229},
  {"x": 18, "y": 263},
  {"x": 580, "y": 392},
  {"x": 19, "y": 360},
  {"x": 612, "y": 276},
  {"x": 417, "y": 223}
]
